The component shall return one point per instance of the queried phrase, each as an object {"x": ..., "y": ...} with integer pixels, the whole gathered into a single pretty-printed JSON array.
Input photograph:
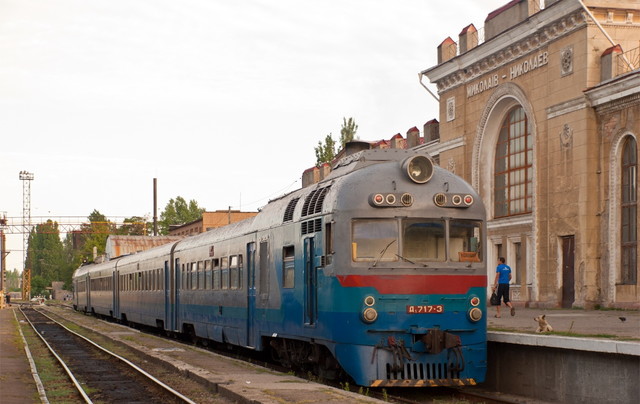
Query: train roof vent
[
  {"x": 288, "y": 213},
  {"x": 313, "y": 202}
]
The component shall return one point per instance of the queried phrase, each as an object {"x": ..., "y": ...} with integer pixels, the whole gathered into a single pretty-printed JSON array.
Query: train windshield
[{"x": 416, "y": 240}]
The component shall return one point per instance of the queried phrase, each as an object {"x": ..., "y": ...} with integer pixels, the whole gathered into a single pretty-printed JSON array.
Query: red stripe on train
[{"x": 415, "y": 284}]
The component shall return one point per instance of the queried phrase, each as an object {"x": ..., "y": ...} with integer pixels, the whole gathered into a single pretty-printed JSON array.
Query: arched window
[
  {"x": 513, "y": 171},
  {"x": 629, "y": 212}
]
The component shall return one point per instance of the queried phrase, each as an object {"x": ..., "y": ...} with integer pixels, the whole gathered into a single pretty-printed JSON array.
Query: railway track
[
  {"x": 99, "y": 374},
  {"x": 441, "y": 395}
]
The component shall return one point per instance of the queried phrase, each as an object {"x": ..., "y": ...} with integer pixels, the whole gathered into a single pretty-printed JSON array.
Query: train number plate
[{"x": 425, "y": 309}]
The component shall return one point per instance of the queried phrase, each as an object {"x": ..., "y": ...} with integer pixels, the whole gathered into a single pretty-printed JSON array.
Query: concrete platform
[
  {"x": 17, "y": 384},
  {"x": 592, "y": 356},
  {"x": 597, "y": 324}
]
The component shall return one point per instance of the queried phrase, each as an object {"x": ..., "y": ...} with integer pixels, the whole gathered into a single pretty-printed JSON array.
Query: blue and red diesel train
[{"x": 377, "y": 271}]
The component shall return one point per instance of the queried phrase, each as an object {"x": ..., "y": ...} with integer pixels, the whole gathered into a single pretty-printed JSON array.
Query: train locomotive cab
[{"x": 406, "y": 272}]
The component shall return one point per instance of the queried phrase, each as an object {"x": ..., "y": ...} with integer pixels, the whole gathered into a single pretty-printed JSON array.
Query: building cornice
[
  {"x": 526, "y": 38},
  {"x": 439, "y": 147},
  {"x": 616, "y": 93}
]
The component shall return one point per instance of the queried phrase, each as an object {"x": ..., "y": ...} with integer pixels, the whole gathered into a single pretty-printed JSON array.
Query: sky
[{"x": 222, "y": 101}]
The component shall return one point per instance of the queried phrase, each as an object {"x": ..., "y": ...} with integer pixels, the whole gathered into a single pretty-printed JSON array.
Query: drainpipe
[
  {"x": 426, "y": 88},
  {"x": 604, "y": 32}
]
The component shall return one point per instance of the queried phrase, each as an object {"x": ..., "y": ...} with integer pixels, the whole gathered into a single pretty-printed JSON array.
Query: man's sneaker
[{"x": 513, "y": 311}]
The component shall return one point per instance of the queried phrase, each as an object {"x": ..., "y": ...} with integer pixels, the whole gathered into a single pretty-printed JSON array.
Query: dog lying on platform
[{"x": 543, "y": 325}]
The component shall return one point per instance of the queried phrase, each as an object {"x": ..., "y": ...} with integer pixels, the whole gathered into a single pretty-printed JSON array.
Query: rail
[{"x": 73, "y": 378}]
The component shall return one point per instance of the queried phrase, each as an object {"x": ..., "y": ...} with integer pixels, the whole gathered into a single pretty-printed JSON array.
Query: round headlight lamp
[
  {"x": 475, "y": 314},
  {"x": 418, "y": 168},
  {"x": 369, "y": 315}
]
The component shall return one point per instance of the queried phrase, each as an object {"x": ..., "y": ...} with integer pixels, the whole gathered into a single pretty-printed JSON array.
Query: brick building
[
  {"x": 210, "y": 220},
  {"x": 542, "y": 117}
]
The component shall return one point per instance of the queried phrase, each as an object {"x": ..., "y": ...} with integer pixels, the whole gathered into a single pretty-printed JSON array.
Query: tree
[
  {"x": 348, "y": 131},
  {"x": 45, "y": 254},
  {"x": 178, "y": 212},
  {"x": 326, "y": 152},
  {"x": 13, "y": 280},
  {"x": 134, "y": 226},
  {"x": 94, "y": 234}
]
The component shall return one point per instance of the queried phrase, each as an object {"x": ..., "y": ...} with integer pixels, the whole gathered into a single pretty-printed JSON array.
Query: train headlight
[
  {"x": 369, "y": 315},
  {"x": 418, "y": 168},
  {"x": 475, "y": 301},
  {"x": 475, "y": 314}
]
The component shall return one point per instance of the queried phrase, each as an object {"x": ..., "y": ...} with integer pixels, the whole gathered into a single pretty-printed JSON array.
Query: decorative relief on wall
[
  {"x": 566, "y": 136},
  {"x": 451, "y": 109},
  {"x": 566, "y": 61},
  {"x": 451, "y": 166}
]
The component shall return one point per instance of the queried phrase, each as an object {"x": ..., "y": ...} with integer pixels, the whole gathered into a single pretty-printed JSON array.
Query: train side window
[
  {"x": 233, "y": 272},
  {"x": 328, "y": 250},
  {"x": 207, "y": 275},
  {"x": 194, "y": 275},
  {"x": 264, "y": 268},
  {"x": 184, "y": 277},
  {"x": 224, "y": 266},
  {"x": 200, "y": 275},
  {"x": 288, "y": 267},
  {"x": 215, "y": 268},
  {"x": 240, "y": 267}
]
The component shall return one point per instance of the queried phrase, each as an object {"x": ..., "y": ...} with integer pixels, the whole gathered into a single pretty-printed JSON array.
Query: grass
[{"x": 58, "y": 387}]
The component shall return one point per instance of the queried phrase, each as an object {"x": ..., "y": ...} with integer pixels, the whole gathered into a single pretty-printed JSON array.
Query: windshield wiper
[
  {"x": 409, "y": 261},
  {"x": 384, "y": 250}
]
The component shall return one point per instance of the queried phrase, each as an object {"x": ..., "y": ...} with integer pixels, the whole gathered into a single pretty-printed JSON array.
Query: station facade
[{"x": 542, "y": 117}]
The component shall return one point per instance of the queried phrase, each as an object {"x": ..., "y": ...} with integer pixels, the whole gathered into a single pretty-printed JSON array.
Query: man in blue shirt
[{"x": 503, "y": 276}]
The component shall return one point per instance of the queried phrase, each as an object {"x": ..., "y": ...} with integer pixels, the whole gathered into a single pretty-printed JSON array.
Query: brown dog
[{"x": 543, "y": 325}]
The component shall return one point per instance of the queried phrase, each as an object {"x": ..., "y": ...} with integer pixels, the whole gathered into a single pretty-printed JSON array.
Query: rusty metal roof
[{"x": 118, "y": 246}]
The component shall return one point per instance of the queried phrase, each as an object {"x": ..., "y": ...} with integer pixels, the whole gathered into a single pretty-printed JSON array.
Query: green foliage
[
  {"x": 178, "y": 212},
  {"x": 135, "y": 226},
  {"x": 39, "y": 285},
  {"x": 348, "y": 131},
  {"x": 45, "y": 254},
  {"x": 94, "y": 234},
  {"x": 326, "y": 152},
  {"x": 13, "y": 280}
]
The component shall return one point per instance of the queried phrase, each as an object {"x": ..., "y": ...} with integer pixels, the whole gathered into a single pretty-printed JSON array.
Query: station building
[{"x": 540, "y": 112}]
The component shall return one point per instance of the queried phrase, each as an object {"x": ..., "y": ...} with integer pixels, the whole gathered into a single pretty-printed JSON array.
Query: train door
[
  {"x": 88, "y": 289},
  {"x": 251, "y": 292},
  {"x": 168, "y": 296},
  {"x": 116, "y": 294},
  {"x": 310, "y": 285}
]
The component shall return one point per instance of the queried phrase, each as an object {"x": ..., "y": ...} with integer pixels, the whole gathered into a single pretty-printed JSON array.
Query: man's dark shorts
[{"x": 503, "y": 292}]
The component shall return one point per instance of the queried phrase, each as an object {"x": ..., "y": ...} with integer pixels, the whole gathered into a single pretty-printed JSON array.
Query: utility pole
[
  {"x": 26, "y": 178},
  {"x": 3, "y": 254}
]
